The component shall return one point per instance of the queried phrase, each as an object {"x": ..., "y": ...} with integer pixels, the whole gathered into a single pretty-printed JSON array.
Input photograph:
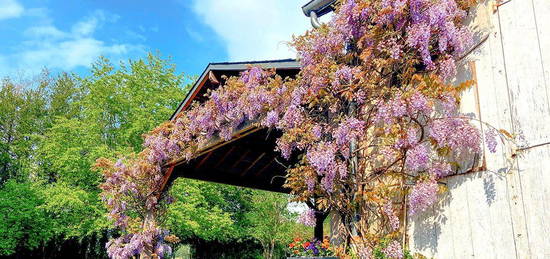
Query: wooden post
[
  {"x": 320, "y": 216},
  {"x": 318, "y": 231}
]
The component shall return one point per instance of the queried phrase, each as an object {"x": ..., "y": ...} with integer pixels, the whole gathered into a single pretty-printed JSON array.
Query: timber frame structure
[{"x": 249, "y": 159}]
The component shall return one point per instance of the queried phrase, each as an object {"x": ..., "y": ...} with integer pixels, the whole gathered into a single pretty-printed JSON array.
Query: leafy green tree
[
  {"x": 197, "y": 211},
  {"x": 68, "y": 149},
  {"x": 105, "y": 113},
  {"x": 75, "y": 213},
  {"x": 21, "y": 116},
  {"x": 65, "y": 93},
  {"x": 273, "y": 225},
  {"x": 23, "y": 225},
  {"x": 127, "y": 102}
]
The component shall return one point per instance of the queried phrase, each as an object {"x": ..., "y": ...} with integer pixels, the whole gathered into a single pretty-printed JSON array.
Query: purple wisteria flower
[
  {"x": 422, "y": 195},
  {"x": 417, "y": 158},
  {"x": 419, "y": 104},
  {"x": 271, "y": 118},
  {"x": 307, "y": 218},
  {"x": 393, "y": 250},
  {"x": 457, "y": 134},
  {"x": 349, "y": 129},
  {"x": 317, "y": 131},
  {"x": 491, "y": 140},
  {"x": 322, "y": 156},
  {"x": 440, "y": 169},
  {"x": 394, "y": 220}
]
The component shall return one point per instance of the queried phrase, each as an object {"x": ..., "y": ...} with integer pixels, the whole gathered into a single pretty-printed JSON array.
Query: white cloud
[
  {"x": 89, "y": 25},
  {"x": 194, "y": 34},
  {"x": 134, "y": 35},
  {"x": 253, "y": 29},
  {"x": 10, "y": 9},
  {"x": 46, "y": 31},
  {"x": 47, "y": 46},
  {"x": 71, "y": 53}
]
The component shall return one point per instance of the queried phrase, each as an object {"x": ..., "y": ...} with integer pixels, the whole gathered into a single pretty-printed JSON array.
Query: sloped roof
[{"x": 232, "y": 66}]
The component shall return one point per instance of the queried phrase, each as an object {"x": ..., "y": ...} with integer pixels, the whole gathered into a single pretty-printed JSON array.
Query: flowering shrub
[
  {"x": 314, "y": 247},
  {"x": 371, "y": 118}
]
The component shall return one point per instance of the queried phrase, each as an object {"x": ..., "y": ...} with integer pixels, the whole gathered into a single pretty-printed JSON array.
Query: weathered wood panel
[
  {"x": 504, "y": 212},
  {"x": 530, "y": 111}
]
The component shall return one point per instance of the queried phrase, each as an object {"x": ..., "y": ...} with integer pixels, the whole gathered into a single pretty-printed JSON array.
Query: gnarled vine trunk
[{"x": 149, "y": 222}]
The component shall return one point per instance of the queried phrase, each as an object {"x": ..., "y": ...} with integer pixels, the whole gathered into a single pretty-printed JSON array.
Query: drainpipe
[
  {"x": 314, "y": 20},
  {"x": 317, "y": 8}
]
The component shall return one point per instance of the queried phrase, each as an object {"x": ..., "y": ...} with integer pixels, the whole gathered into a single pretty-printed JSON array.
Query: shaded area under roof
[{"x": 249, "y": 161}]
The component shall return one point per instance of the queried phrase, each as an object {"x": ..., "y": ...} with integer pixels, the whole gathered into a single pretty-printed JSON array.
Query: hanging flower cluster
[
  {"x": 369, "y": 115},
  {"x": 307, "y": 218}
]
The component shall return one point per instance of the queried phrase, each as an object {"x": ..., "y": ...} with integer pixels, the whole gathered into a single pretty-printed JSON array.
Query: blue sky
[{"x": 69, "y": 35}]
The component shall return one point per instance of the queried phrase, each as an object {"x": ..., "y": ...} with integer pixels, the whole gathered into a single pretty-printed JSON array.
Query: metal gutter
[
  {"x": 320, "y": 7},
  {"x": 317, "y": 8}
]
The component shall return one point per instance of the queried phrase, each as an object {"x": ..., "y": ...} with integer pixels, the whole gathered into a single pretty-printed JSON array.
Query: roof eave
[{"x": 233, "y": 66}]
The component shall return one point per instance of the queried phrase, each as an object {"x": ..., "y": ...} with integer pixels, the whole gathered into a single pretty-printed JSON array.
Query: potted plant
[{"x": 314, "y": 249}]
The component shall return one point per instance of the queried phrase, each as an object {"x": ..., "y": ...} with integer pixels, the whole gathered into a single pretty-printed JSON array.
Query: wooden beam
[
  {"x": 472, "y": 66},
  {"x": 265, "y": 167},
  {"x": 225, "y": 156},
  {"x": 253, "y": 163},
  {"x": 241, "y": 158},
  {"x": 165, "y": 179},
  {"x": 204, "y": 160}
]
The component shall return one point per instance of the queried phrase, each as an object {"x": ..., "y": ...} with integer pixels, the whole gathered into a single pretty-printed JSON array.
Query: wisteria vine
[{"x": 371, "y": 117}]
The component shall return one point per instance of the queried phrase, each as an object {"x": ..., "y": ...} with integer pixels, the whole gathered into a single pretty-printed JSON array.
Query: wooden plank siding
[{"x": 505, "y": 211}]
